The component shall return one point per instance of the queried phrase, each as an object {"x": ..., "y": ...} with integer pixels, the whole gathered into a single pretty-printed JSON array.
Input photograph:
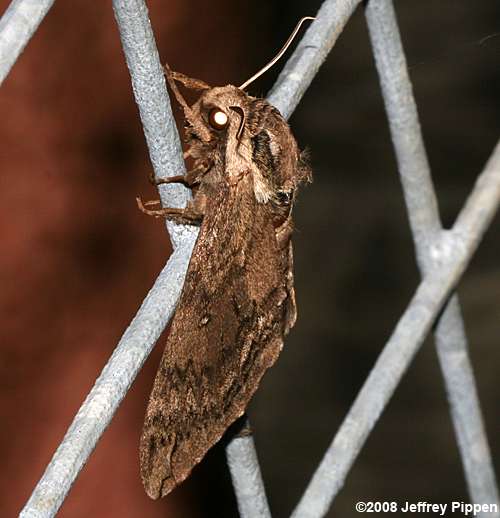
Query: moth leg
[
  {"x": 188, "y": 82},
  {"x": 187, "y": 216},
  {"x": 189, "y": 179},
  {"x": 284, "y": 233},
  {"x": 175, "y": 90},
  {"x": 159, "y": 181},
  {"x": 284, "y": 242},
  {"x": 194, "y": 120},
  {"x": 291, "y": 314},
  {"x": 180, "y": 178},
  {"x": 152, "y": 178}
]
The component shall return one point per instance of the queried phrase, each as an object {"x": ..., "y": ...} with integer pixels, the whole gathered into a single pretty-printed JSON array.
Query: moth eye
[
  {"x": 217, "y": 119},
  {"x": 284, "y": 197}
]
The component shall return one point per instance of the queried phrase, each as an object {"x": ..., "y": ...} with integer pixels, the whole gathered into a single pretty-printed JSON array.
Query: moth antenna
[{"x": 278, "y": 55}]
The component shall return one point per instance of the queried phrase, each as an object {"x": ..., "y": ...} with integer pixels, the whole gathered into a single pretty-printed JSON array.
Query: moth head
[
  {"x": 216, "y": 111},
  {"x": 219, "y": 109},
  {"x": 222, "y": 110}
]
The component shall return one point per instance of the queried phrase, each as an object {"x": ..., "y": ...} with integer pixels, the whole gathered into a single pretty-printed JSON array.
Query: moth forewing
[{"x": 238, "y": 301}]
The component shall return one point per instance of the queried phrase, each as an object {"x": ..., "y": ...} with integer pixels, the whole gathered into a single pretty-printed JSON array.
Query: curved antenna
[{"x": 278, "y": 55}]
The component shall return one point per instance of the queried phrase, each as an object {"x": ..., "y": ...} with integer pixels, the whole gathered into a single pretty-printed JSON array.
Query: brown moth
[{"x": 238, "y": 301}]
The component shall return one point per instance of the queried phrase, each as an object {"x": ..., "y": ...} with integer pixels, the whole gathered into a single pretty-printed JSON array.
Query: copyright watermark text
[{"x": 463, "y": 508}]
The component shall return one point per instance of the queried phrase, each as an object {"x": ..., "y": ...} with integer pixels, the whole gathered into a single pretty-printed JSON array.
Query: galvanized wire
[
  {"x": 150, "y": 92},
  {"x": 453, "y": 253},
  {"x": 17, "y": 26},
  {"x": 245, "y": 474},
  {"x": 451, "y": 342}
]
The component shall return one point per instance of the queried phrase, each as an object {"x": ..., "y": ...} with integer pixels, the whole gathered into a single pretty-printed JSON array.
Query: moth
[{"x": 238, "y": 301}]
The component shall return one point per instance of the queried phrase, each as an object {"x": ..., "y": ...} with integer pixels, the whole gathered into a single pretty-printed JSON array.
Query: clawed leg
[
  {"x": 180, "y": 99},
  {"x": 189, "y": 179},
  {"x": 159, "y": 181},
  {"x": 171, "y": 179},
  {"x": 188, "y": 82},
  {"x": 151, "y": 203},
  {"x": 198, "y": 125},
  {"x": 186, "y": 216}
]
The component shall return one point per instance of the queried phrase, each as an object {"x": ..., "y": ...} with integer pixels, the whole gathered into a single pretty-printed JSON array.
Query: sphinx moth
[{"x": 238, "y": 301}]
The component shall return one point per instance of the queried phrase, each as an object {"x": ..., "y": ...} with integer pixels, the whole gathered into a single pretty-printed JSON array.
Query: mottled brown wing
[{"x": 237, "y": 303}]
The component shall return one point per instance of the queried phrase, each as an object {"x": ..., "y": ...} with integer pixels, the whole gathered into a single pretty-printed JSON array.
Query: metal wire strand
[
  {"x": 421, "y": 203},
  {"x": 17, "y": 26},
  {"x": 245, "y": 472}
]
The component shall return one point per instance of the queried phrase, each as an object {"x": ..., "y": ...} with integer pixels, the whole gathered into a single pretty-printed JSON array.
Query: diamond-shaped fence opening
[{"x": 442, "y": 256}]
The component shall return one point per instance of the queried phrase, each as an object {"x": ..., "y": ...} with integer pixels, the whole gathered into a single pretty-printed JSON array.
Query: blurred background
[{"x": 78, "y": 257}]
